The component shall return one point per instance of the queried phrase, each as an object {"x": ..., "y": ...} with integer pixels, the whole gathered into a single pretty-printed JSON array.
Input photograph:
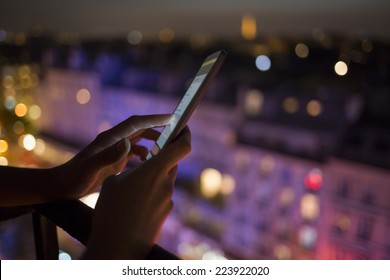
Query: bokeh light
[
  {"x": 341, "y": 68},
  {"x": 166, "y": 35},
  {"x": 134, "y": 37},
  {"x": 29, "y": 142},
  {"x": 314, "y": 108},
  {"x": 20, "y": 109},
  {"x": 263, "y": 63},
  {"x": 3, "y": 146},
  {"x": 83, "y": 96},
  {"x": 302, "y": 50},
  {"x": 254, "y": 100},
  {"x": 290, "y": 105},
  {"x": 210, "y": 182}
]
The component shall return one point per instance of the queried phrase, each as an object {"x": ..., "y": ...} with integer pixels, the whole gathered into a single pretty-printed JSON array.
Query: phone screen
[{"x": 187, "y": 104}]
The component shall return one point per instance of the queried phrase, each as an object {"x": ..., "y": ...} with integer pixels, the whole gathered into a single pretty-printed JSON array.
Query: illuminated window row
[{"x": 254, "y": 101}]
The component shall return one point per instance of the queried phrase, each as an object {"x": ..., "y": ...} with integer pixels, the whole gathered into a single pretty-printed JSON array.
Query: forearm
[{"x": 23, "y": 186}]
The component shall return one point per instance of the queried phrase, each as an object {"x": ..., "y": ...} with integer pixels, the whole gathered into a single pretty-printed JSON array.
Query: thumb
[{"x": 111, "y": 155}]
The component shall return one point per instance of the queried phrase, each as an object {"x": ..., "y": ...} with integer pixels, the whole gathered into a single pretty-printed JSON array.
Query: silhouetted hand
[
  {"x": 134, "y": 204},
  {"x": 105, "y": 156}
]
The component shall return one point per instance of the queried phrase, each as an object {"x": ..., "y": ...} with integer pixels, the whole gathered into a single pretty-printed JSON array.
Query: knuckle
[{"x": 102, "y": 136}]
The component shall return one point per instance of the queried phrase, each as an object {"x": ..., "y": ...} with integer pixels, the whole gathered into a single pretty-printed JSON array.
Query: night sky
[{"x": 223, "y": 17}]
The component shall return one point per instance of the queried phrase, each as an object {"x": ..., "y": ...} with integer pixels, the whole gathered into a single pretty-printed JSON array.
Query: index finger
[{"x": 134, "y": 124}]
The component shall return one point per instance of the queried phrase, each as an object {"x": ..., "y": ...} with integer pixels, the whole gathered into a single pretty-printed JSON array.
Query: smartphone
[{"x": 191, "y": 98}]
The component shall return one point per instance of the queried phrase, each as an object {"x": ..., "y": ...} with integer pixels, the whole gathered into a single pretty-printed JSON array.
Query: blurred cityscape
[{"x": 291, "y": 144}]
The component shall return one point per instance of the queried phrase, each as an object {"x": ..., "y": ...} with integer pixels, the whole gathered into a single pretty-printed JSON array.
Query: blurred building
[{"x": 290, "y": 153}]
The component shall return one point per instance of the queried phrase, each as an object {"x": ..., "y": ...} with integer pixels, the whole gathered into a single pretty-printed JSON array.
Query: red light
[{"x": 313, "y": 181}]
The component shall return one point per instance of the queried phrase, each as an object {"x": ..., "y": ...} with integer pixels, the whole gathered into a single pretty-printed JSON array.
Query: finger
[
  {"x": 134, "y": 124},
  {"x": 140, "y": 151},
  {"x": 129, "y": 128},
  {"x": 111, "y": 155},
  {"x": 149, "y": 134},
  {"x": 167, "y": 158}
]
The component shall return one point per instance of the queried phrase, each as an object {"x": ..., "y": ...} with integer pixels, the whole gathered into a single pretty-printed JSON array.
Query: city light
[
  {"x": 3, "y": 146},
  {"x": 28, "y": 142},
  {"x": 166, "y": 35},
  {"x": 8, "y": 81},
  {"x": 40, "y": 147},
  {"x": 287, "y": 196},
  {"x": 310, "y": 206},
  {"x": 263, "y": 63},
  {"x": 267, "y": 164},
  {"x": 254, "y": 100},
  {"x": 282, "y": 252},
  {"x": 341, "y": 68},
  {"x": 290, "y": 105},
  {"x": 307, "y": 236},
  {"x": 34, "y": 112},
  {"x": 313, "y": 180},
  {"x": 3, "y": 161},
  {"x": 83, "y": 96},
  {"x": 64, "y": 256},
  {"x": 20, "y": 110},
  {"x": 228, "y": 184},
  {"x": 210, "y": 182},
  {"x": 314, "y": 108},
  {"x": 248, "y": 27},
  {"x": 18, "y": 127},
  {"x": 134, "y": 37},
  {"x": 302, "y": 50}
]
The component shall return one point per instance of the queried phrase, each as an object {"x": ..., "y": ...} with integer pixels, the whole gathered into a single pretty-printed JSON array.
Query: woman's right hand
[{"x": 133, "y": 205}]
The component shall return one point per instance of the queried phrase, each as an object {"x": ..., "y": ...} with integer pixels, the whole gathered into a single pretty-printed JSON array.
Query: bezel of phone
[{"x": 191, "y": 98}]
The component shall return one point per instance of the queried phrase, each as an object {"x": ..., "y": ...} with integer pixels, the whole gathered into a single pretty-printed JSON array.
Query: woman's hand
[
  {"x": 105, "y": 156},
  {"x": 133, "y": 205}
]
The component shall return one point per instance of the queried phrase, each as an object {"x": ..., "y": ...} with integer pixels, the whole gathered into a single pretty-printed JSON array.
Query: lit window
[
  {"x": 254, "y": 100},
  {"x": 210, "y": 182},
  {"x": 310, "y": 207},
  {"x": 307, "y": 237},
  {"x": 287, "y": 196},
  {"x": 313, "y": 180},
  {"x": 83, "y": 96},
  {"x": 282, "y": 252}
]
